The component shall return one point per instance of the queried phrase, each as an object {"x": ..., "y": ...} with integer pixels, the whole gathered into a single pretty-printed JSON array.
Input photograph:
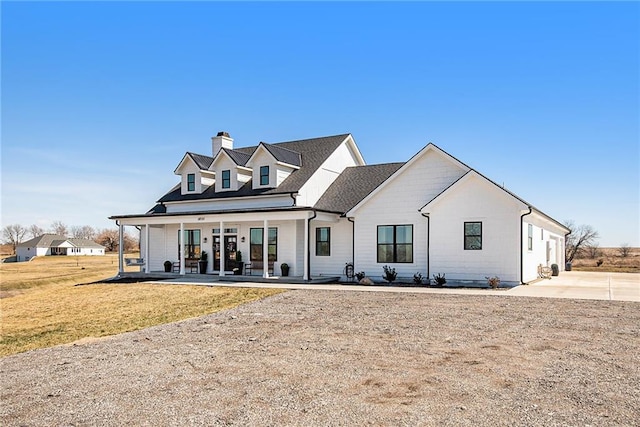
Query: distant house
[
  {"x": 54, "y": 244},
  {"x": 315, "y": 205}
]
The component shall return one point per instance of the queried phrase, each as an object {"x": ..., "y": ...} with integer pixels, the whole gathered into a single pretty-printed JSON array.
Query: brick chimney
[{"x": 220, "y": 141}]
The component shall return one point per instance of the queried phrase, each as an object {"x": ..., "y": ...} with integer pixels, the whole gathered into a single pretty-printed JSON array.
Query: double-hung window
[
  {"x": 395, "y": 243},
  {"x": 323, "y": 241},
  {"x": 226, "y": 179},
  {"x": 256, "y": 242},
  {"x": 191, "y": 182},
  {"x": 473, "y": 235},
  {"x": 264, "y": 175},
  {"x": 191, "y": 242}
]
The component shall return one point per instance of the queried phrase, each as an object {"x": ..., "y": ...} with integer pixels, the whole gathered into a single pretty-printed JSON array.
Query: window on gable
[
  {"x": 323, "y": 241},
  {"x": 264, "y": 175},
  {"x": 530, "y": 237},
  {"x": 226, "y": 179},
  {"x": 395, "y": 243},
  {"x": 473, "y": 235},
  {"x": 191, "y": 182}
]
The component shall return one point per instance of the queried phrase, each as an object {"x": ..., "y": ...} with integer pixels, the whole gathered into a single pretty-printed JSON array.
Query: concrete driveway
[{"x": 585, "y": 285}]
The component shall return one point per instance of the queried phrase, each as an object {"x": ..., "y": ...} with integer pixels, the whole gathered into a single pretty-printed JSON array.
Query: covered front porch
[{"x": 233, "y": 244}]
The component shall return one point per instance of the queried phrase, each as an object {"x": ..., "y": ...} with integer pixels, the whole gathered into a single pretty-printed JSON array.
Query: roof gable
[
  {"x": 238, "y": 157},
  {"x": 201, "y": 161},
  {"x": 429, "y": 148}
]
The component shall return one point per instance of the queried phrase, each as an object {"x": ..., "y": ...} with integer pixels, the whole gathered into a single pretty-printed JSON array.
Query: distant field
[
  {"x": 609, "y": 260},
  {"x": 42, "y": 307}
]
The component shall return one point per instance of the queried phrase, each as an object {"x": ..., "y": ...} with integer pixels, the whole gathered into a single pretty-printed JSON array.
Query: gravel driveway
[{"x": 347, "y": 358}]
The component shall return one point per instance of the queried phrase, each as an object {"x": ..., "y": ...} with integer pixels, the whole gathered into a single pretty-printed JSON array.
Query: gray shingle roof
[
  {"x": 238, "y": 157},
  {"x": 354, "y": 184},
  {"x": 53, "y": 240},
  {"x": 313, "y": 153},
  {"x": 201, "y": 160},
  {"x": 284, "y": 155}
]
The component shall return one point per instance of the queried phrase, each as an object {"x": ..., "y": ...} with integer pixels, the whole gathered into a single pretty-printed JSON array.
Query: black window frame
[
  {"x": 191, "y": 248},
  {"x": 467, "y": 237},
  {"x": 256, "y": 249},
  {"x": 226, "y": 179},
  {"x": 191, "y": 182},
  {"x": 323, "y": 246},
  {"x": 264, "y": 175},
  {"x": 394, "y": 245}
]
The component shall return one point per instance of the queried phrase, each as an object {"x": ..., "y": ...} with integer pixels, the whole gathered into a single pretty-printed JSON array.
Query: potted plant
[
  {"x": 202, "y": 264},
  {"x": 439, "y": 279},
  {"x": 239, "y": 264},
  {"x": 285, "y": 269},
  {"x": 167, "y": 266}
]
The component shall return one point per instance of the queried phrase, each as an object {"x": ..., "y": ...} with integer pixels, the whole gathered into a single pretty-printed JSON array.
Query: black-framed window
[
  {"x": 191, "y": 242},
  {"x": 256, "y": 244},
  {"x": 530, "y": 237},
  {"x": 226, "y": 179},
  {"x": 395, "y": 243},
  {"x": 323, "y": 241},
  {"x": 473, "y": 235},
  {"x": 264, "y": 175},
  {"x": 191, "y": 182}
]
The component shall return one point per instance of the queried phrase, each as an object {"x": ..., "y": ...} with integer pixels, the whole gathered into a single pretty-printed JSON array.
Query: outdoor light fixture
[
  {"x": 242, "y": 239},
  {"x": 205, "y": 240}
]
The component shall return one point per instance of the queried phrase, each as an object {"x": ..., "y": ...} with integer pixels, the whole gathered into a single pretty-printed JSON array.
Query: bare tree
[
  {"x": 35, "y": 231},
  {"x": 593, "y": 250},
  {"x": 109, "y": 238},
  {"x": 59, "y": 227},
  {"x": 83, "y": 232},
  {"x": 580, "y": 237},
  {"x": 624, "y": 250},
  {"x": 13, "y": 235}
]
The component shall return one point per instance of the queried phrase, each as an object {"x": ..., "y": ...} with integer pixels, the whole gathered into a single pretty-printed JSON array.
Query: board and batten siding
[
  {"x": 398, "y": 203},
  {"x": 547, "y": 245},
  {"x": 229, "y": 204}
]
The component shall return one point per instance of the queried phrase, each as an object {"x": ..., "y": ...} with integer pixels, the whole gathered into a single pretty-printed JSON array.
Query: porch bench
[
  {"x": 134, "y": 261},
  {"x": 190, "y": 265},
  {"x": 256, "y": 265}
]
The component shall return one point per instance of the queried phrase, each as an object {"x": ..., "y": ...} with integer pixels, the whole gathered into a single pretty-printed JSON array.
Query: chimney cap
[{"x": 226, "y": 134}]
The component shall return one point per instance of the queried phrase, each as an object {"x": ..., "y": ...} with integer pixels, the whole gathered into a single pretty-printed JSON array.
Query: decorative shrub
[
  {"x": 360, "y": 275},
  {"x": 439, "y": 279},
  {"x": 389, "y": 273},
  {"x": 493, "y": 281},
  {"x": 418, "y": 278}
]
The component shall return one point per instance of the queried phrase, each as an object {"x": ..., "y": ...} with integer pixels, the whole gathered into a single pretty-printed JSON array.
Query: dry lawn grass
[
  {"x": 610, "y": 261},
  {"x": 42, "y": 307}
]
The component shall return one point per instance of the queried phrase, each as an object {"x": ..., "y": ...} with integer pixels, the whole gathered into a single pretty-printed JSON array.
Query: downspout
[
  {"x": 428, "y": 239},
  {"x": 522, "y": 244},
  {"x": 353, "y": 242},
  {"x": 293, "y": 196},
  {"x": 315, "y": 214}
]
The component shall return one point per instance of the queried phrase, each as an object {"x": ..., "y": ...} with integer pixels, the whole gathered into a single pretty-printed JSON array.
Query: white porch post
[
  {"x": 181, "y": 246},
  {"x": 265, "y": 250},
  {"x": 147, "y": 269},
  {"x": 120, "y": 248},
  {"x": 222, "y": 248},
  {"x": 305, "y": 272}
]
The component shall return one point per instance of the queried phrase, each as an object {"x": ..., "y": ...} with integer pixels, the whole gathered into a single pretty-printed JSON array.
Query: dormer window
[
  {"x": 191, "y": 182},
  {"x": 226, "y": 179},
  {"x": 264, "y": 175}
]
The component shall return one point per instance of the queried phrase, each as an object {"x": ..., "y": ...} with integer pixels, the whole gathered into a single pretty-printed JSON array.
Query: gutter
[
  {"x": 308, "y": 266},
  {"x": 522, "y": 244},
  {"x": 353, "y": 243}
]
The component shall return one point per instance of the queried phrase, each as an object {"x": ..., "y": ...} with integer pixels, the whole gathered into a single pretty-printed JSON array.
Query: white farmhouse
[
  {"x": 53, "y": 244},
  {"x": 314, "y": 205}
]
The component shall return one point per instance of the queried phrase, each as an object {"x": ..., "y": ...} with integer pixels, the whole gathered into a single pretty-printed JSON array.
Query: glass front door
[{"x": 230, "y": 252}]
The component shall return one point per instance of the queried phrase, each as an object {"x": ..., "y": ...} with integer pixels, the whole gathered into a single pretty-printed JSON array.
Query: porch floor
[{"x": 210, "y": 278}]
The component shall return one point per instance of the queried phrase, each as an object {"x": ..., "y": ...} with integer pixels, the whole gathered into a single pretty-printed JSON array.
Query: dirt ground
[{"x": 310, "y": 358}]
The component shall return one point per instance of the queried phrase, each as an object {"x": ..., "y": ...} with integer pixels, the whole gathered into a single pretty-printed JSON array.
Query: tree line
[{"x": 15, "y": 234}]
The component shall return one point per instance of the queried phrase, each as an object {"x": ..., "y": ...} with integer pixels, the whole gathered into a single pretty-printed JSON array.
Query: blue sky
[{"x": 101, "y": 100}]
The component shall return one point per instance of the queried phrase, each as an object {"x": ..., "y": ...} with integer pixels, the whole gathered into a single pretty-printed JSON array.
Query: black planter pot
[
  {"x": 202, "y": 266},
  {"x": 240, "y": 266},
  {"x": 285, "y": 270},
  {"x": 167, "y": 266}
]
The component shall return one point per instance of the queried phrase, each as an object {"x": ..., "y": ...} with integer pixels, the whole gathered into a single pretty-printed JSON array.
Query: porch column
[
  {"x": 120, "y": 248},
  {"x": 305, "y": 258},
  {"x": 181, "y": 246},
  {"x": 147, "y": 269},
  {"x": 265, "y": 250},
  {"x": 222, "y": 248}
]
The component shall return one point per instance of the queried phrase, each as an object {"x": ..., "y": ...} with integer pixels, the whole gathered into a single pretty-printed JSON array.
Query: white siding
[
  {"x": 397, "y": 204},
  {"x": 341, "y": 249},
  {"x": 548, "y": 246},
  {"x": 231, "y": 203},
  {"x": 315, "y": 187},
  {"x": 158, "y": 249}
]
